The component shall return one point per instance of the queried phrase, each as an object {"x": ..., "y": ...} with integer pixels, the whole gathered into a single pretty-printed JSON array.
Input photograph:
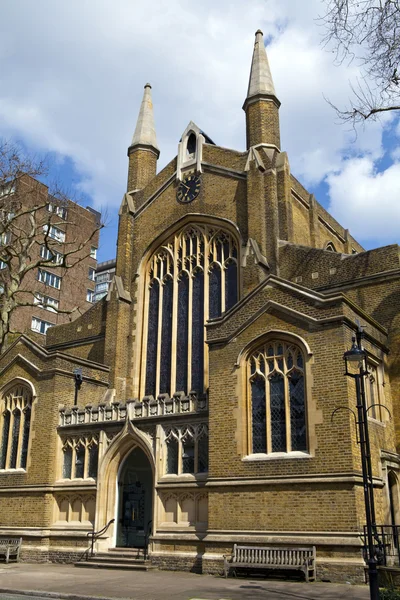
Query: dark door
[
  {"x": 135, "y": 488},
  {"x": 133, "y": 526}
]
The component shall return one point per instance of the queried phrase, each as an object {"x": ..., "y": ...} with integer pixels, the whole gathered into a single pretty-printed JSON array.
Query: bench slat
[{"x": 273, "y": 557}]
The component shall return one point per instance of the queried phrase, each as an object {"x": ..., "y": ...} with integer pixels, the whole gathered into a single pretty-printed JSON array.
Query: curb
[{"x": 55, "y": 595}]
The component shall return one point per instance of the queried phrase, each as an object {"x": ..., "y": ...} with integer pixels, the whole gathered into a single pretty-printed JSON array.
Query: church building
[{"x": 211, "y": 371}]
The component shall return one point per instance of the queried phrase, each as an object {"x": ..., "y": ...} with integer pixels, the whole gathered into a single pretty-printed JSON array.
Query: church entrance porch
[{"x": 135, "y": 491}]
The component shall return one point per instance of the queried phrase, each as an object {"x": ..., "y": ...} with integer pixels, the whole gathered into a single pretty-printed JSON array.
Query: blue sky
[{"x": 72, "y": 79}]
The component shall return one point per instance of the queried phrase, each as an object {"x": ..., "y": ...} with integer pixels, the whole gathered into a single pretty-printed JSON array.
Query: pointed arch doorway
[{"x": 135, "y": 500}]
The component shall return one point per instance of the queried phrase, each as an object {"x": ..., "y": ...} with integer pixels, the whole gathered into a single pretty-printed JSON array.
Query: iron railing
[
  {"x": 387, "y": 544},
  {"x": 94, "y": 535}
]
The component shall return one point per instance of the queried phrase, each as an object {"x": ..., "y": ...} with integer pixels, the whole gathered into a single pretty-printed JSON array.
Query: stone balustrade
[{"x": 162, "y": 406}]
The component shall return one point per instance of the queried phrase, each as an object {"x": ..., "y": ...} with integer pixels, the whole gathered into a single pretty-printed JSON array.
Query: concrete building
[
  {"x": 211, "y": 370},
  {"x": 53, "y": 293},
  {"x": 105, "y": 272}
]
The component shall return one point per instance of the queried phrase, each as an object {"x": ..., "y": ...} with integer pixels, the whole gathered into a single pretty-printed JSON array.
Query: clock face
[{"x": 188, "y": 189}]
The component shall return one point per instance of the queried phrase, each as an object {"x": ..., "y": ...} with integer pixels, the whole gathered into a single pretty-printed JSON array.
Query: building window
[
  {"x": 101, "y": 287},
  {"x": 91, "y": 274},
  {"x": 277, "y": 399},
  {"x": 40, "y": 326},
  {"x": 46, "y": 302},
  {"x": 191, "y": 278},
  {"x": 15, "y": 422},
  {"x": 90, "y": 296},
  {"x": 102, "y": 277},
  {"x": 49, "y": 279},
  {"x": 187, "y": 450},
  {"x": 93, "y": 252},
  {"x": 51, "y": 255},
  {"x": 81, "y": 456},
  {"x": 54, "y": 233},
  {"x": 3, "y": 265},
  {"x": 58, "y": 210}
]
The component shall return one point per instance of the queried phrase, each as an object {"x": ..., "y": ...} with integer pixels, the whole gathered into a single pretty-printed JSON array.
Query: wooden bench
[
  {"x": 257, "y": 557},
  {"x": 10, "y": 548}
]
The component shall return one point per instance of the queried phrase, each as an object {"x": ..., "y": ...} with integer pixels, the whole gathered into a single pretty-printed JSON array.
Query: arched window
[
  {"x": 277, "y": 400},
  {"x": 191, "y": 144},
  {"x": 81, "y": 456},
  {"x": 330, "y": 247},
  {"x": 15, "y": 422},
  {"x": 191, "y": 278}
]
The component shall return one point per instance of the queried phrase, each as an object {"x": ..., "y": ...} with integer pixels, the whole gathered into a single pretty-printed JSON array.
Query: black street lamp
[{"x": 356, "y": 367}]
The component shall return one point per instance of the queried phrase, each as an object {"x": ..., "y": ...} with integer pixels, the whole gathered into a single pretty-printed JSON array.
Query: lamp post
[
  {"x": 78, "y": 382},
  {"x": 356, "y": 367}
]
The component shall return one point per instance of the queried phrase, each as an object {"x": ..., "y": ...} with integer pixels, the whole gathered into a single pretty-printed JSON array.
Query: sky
[{"x": 72, "y": 77}]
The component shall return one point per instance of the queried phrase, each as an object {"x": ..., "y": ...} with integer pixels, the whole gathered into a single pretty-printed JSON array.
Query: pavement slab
[{"x": 65, "y": 581}]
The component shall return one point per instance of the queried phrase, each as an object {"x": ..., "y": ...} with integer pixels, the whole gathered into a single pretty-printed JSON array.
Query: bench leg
[{"x": 7, "y": 555}]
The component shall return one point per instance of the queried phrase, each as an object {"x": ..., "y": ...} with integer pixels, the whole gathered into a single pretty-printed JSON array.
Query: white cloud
[
  {"x": 367, "y": 200},
  {"x": 73, "y": 73}
]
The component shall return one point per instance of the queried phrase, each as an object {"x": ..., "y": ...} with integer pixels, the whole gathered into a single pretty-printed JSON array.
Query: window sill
[
  {"x": 377, "y": 421},
  {"x": 11, "y": 471},
  {"x": 275, "y": 456},
  {"x": 183, "y": 477},
  {"x": 77, "y": 480}
]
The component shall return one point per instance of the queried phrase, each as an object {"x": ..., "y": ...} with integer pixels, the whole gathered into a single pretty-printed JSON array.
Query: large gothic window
[
  {"x": 277, "y": 399},
  {"x": 15, "y": 422},
  {"x": 191, "y": 278}
]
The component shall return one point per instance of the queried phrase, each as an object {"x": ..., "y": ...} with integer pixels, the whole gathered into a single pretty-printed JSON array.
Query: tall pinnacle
[
  {"x": 145, "y": 132},
  {"x": 260, "y": 82}
]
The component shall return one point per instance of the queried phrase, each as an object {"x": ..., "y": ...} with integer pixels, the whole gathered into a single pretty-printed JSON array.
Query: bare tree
[
  {"x": 367, "y": 31},
  {"x": 32, "y": 220}
]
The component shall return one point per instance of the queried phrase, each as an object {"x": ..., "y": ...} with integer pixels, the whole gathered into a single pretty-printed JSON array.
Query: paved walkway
[{"x": 67, "y": 581}]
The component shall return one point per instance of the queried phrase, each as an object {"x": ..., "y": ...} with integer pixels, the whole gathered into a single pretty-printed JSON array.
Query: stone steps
[{"x": 117, "y": 558}]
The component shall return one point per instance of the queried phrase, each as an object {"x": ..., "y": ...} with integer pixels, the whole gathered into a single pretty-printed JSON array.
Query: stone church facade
[{"x": 210, "y": 371}]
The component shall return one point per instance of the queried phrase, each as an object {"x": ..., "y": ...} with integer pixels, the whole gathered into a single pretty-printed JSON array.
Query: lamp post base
[{"x": 373, "y": 579}]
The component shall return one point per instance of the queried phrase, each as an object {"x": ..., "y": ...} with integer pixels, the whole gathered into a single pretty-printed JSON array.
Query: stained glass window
[
  {"x": 198, "y": 332},
  {"x": 196, "y": 259},
  {"x": 215, "y": 292},
  {"x": 81, "y": 457},
  {"x": 188, "y": 456},
  {"x": 152, "y": 338},
  {"x": 182, "y": 334},
  {"x": 93, "y": 460},
  {"x": 4, "y": 440},
  {"x": 172, "y": 456},
  {"x": 202, "y": 454},
  {"x": 297, "y": 411},
  {"x": 14, "y": 427},
  {"x": 278, "y": 403},
  {"x": 186, "y": 449},
  {"x": 25, "y": 436},
  {"x": 79, "y": 461},
  {"x": 166, "y": 337},
  {"x": 67, "y": 466}
]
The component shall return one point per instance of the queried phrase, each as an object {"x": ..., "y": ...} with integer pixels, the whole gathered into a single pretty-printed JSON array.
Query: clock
[{"x": 188, "y": 189}]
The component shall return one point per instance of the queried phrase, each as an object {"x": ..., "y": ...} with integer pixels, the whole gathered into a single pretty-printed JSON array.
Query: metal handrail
[{"x": 96, "y": 534}]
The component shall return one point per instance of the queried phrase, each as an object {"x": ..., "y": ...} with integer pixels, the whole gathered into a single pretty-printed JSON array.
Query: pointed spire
[
  {"x": 145, "y": 132},
  {"x": 260, "y": 82}
]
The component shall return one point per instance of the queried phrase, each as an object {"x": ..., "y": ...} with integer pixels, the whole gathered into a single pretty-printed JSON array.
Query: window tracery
[
  {"x": 15, "y": 427},
  {"x": 80, "y": 457},
  {"x": 191, "y": 278},
  {"x": 187, "y": 449},
  {"x": 277, "y": 399}
]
